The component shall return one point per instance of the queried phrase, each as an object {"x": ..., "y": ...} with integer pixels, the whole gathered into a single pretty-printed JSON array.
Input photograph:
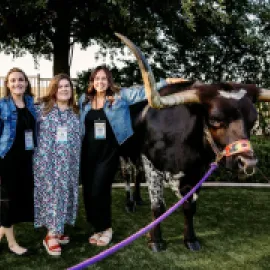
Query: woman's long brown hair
[
  {"x": 28, "y": 90},
  {"x": 91, "y": 91},
  {"x": 50, "y": 100}
]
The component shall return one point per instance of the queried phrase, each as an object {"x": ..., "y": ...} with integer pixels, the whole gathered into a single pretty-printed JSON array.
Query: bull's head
[
  {"x": 230, "y": 117},
  {"x": 230, "y": 112}
]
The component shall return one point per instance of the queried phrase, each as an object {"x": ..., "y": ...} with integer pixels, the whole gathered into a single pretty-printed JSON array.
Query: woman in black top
[
  {"x": 17, "y": 137},
  {"x": 105, "y": 124}
]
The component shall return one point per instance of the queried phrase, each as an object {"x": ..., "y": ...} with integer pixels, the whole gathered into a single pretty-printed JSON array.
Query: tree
[
  {"x": 223, "y": 40},
  {"x": 50, "y": 28},
  {"x": 230, "y": 47},
  {"x": 207, "y": 40}
]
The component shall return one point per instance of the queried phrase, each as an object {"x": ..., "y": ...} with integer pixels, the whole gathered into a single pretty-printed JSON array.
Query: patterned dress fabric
[{"x": 56, "y": 171}]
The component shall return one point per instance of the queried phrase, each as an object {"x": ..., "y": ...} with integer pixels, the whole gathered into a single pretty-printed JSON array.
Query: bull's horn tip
[{"x": 118, "y": 35}]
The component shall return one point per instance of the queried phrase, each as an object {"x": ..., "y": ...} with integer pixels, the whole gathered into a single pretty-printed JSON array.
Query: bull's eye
[{"x": 215, "y": 123}]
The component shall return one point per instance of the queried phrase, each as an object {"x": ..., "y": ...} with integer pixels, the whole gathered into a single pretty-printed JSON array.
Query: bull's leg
[
  {"x": 127, "y": 174},
  {"x": 139, "y": 178},
  {"x": 189, "y": 209},
  {"x": 154, "y": 180},
  {"x": 156, "y": 242},
  {"x": 130, "y": 203}
]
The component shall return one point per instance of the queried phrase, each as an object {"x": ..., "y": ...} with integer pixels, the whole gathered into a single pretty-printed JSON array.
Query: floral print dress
[{"x": 56, "y": 170}]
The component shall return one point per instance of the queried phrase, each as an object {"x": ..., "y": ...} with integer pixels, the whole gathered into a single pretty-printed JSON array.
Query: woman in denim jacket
[
  {"x": 17, "y": 142},
  {"x": 105, "y": 124}
]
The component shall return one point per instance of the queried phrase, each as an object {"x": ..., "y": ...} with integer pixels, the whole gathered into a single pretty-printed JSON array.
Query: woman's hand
[
  {"x": 175, "y": 80},
  {"x": 111, "y": 99}
]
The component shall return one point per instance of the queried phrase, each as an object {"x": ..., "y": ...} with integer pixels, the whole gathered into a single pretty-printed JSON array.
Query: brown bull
[{"x": 185, "y": 127}]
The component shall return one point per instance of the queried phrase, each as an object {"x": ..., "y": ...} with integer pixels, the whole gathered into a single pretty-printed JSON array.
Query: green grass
[{"x": 232, "y": 225}]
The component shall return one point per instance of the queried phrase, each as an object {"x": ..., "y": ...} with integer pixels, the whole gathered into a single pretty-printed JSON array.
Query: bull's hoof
[
  {"x": 157, "y": 246},
  {"x": 193, "y": 246},
  {"x": 130, "y": 207}
]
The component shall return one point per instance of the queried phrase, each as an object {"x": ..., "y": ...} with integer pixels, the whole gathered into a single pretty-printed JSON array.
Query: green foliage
[
  {"x": 81, "y": 83},
  {"x": 207, "y": 40},
  {"x": 51, "y": 27},
  {"x": 263, "y": 124},
  {"x": 232, "y": 47},
  {"x": 232, "y": 225}
]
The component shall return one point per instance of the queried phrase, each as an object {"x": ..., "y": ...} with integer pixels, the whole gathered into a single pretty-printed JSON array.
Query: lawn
[{"x": 232, "y": 225}]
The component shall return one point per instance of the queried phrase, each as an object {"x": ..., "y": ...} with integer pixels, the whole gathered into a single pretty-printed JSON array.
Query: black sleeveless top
[{"x": 98, "y": 150}]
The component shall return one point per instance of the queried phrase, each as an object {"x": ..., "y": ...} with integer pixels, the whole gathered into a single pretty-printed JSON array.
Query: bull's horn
[
  {"x": 264, "y": 95},
  {"x": 147, "y": 74},
  {"x": 154, "y": 99}
]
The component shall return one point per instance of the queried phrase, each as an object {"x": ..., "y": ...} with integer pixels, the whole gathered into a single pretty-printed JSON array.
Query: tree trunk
[{"x": 61, "y": 41}]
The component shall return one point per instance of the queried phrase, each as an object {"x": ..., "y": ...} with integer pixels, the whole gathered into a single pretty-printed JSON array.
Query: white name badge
[
  {"x": 61, "y": 134},
  {"x": 100, "y": 130},
  {"x": 29, "y": 140}
]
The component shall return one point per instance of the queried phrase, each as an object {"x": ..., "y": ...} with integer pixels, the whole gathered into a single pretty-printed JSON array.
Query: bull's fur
[{"x": 172, "y": 143}]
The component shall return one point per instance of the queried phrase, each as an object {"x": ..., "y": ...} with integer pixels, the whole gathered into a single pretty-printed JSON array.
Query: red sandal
[{"x": 54, "y": 250}]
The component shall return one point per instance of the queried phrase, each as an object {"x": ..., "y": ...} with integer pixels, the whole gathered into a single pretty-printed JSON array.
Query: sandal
[
  {"x": 94, "y": 238},
  {"x": 63, "y": 239},
  {"x": 54, "y": 250},
  {"x": 105, "y": 238}
]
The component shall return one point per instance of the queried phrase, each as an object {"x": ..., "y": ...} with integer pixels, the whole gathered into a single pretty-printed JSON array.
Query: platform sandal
[
  {"x": 105, "y": 238},
  {"x": 54, "y": 250}
]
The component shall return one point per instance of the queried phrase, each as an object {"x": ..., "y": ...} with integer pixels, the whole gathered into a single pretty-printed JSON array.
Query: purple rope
[{"x": 144, "y": 230}]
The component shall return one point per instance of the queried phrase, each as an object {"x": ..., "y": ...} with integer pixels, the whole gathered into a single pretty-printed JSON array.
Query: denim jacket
[
  {"x": 118, "y": 113},
  {"x": 8, "y": 121}
]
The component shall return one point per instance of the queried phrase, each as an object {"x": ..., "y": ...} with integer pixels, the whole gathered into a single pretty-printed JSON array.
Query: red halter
[{"x": 237, "y": 147}]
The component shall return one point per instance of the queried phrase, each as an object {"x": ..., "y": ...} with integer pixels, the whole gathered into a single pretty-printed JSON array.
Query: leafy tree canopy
[{"x": 208, "y": 40}]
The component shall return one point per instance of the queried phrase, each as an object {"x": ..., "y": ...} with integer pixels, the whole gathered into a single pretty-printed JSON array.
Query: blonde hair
[
  {"x": 28, "y": 89},
  {"x": 50, "y": 100}
]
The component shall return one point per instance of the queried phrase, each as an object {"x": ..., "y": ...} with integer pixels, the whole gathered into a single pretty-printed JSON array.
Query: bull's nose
[{"x": 247, "y": 165}]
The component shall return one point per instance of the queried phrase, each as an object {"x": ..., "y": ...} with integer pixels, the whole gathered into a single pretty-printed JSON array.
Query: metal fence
[{"x": 40, "y": 88}]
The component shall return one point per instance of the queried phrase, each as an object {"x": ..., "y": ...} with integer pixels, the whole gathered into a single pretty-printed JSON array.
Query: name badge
[
  {"x": 100, "y": 130},
  {"x": 29, "y": 140},
  {"x": 61, "y": 134}
]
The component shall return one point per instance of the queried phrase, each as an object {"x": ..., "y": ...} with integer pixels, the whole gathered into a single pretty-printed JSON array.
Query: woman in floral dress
[{"x": 56, "y": 163}]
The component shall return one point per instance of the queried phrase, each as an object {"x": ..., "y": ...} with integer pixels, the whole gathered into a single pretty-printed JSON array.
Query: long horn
[
  {"x": 154, "y": 99},
  {"x": 264, "y": 95}
]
